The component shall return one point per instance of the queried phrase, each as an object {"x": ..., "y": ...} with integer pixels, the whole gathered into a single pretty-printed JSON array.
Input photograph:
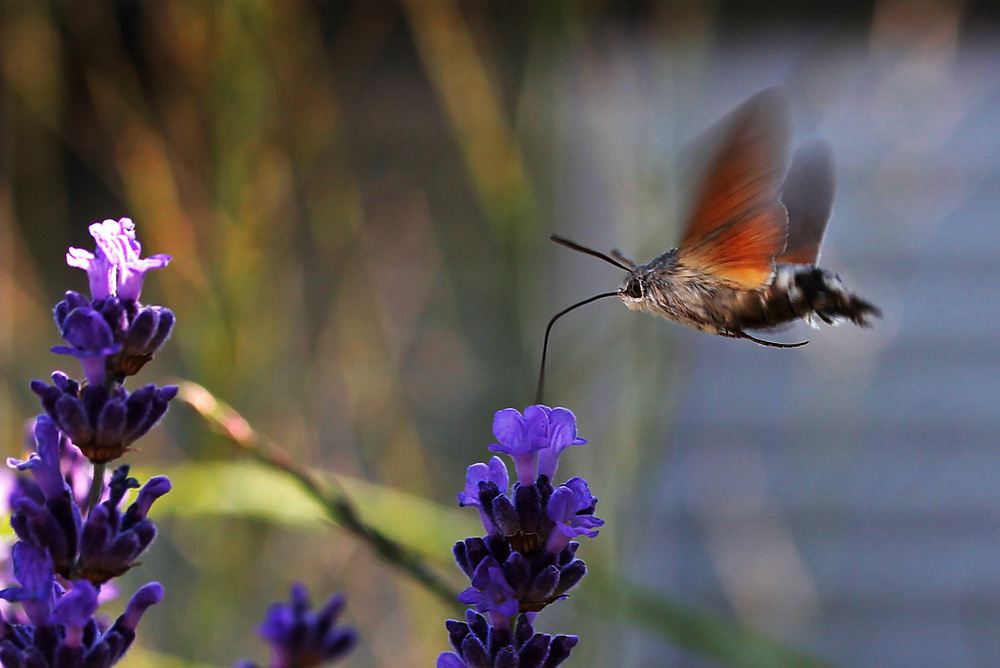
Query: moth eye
[{"x": 634, "y": 290}]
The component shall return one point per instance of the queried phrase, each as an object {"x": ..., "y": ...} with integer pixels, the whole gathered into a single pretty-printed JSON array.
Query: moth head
[{"x": 633, "y": 291}]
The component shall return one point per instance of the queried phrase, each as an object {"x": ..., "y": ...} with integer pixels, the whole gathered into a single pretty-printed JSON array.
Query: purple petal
[
  {"x": 495, "y": 472},
  {"x": 147, "y": 595},
  {"x": 562, "y": 428},
  {"x": 562, "y": 434},
  {"x": 86, "y": 330},
  {"x": 508, "y": 427},
  {"x": 45, "y": 462},
  {"x": 449, "y": 660},
  {"x": 153, "y": 489},
  {"x": 33, "y": 569},
  {"x": 536, "y": 425},
  {"x": 111, "y": 424},
  {"x": 76, "y": 606},
  {"x": 101, "y": 274},
  {"x": 132, "y": 274}
]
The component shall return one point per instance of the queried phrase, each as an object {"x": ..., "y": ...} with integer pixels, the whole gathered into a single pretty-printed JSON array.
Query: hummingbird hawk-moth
[{"x": 747, "y": 257}]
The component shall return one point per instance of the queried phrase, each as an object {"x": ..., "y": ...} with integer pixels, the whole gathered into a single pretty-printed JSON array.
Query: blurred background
[{"x": 358, "y": 197}]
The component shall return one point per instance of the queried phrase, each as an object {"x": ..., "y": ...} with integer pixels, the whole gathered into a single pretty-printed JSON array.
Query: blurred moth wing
[
  {"x": 738, "y": 225},
  {"x": 808, "y": 198}
]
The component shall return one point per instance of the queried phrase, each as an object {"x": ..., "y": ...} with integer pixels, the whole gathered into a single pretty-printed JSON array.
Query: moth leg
[{"x": 768, "y": 344}]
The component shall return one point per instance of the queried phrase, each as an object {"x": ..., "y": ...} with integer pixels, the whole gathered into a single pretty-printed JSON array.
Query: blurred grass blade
[
  {"x": 249, "y": 490},
  {"x": 707, "y": 634},
  {"x": 331, "y": 497},
  {"x": 469, "y": 93}
]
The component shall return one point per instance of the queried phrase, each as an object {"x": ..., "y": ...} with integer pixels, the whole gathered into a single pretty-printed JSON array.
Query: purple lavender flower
[
  {"x": 480, "y": 645},
  {"x": 111, "y": 337},
  {"x": 46, "y": 515},
  {"x": 521, "y": 437},
  {"x": 562, "y": 434},
  {"x": 102, "y": 422},
  {"x": 74, "y": 610},
  {"x": 103, "y": 546},
  {"x": 571, "y": 507},
  {"x": 61, "y": 560},
  {"x": 535, "y": 439},
  {"x": 490, "y": 592},
  {"x": 113, "y": 334},
  {"x": 116, "y": 267},
  {"x": 66, "y": 633},
  {"x": 110, "y": 541},
  {"x": 495, "y": 472},
  {"x": 527, "y": 559},
  {"x": 91, "y": 341},
  {"x": 37, "y": 591},
  {"x": 300, "y": 638},
  {"x": 146, "y": 329},
  {"x": 46, "y": 440},
  {"x": 45, "y": 463}
]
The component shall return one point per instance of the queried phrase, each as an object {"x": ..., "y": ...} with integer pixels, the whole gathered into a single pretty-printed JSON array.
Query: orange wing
[
  {"x": 808, "y": 197},
  {"x": 739, "y": 225}
]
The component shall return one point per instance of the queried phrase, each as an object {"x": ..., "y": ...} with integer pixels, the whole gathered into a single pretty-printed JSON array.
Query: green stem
[
  {"x": 96, "y": 487},
  {"x": 334, "y": 502}
]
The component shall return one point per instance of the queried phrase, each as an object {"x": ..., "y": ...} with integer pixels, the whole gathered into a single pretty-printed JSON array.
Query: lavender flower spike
[
  {"x": 527, "y": 560},
  {"x": 70, "y": 637},
  {"x": 302, "y": 639},
  {"x": 521, "y": 649}
]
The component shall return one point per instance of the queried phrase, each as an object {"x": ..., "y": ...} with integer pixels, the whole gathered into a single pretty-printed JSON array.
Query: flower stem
[
  {"x": 96, "y": 487},
  {"x": 336, "y": 505}
]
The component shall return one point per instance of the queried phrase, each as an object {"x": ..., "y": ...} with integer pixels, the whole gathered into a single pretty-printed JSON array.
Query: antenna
[
  {"x": 563, "y": 241},
  {"x": 548, "y": 329}
]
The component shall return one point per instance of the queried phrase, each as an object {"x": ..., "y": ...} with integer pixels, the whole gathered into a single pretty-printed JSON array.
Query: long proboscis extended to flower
[
  {"x": 540, "y": 391},
  {"x": 572, "y": 245}
]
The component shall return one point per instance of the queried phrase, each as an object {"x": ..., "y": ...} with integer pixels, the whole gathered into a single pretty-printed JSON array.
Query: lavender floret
[
  {"x": 475, "y": 641},
  {"x": 102, "y": 423}
]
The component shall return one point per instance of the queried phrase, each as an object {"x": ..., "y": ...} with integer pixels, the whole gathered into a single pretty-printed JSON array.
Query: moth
[{"x": 747, "y": 257}]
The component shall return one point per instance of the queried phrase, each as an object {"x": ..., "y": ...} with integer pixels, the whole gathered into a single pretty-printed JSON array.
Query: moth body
[{"x": 665, "y": 287}]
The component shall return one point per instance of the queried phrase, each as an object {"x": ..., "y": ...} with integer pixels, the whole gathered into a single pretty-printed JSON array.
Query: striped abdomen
[{"x": 798, "y": 291}]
